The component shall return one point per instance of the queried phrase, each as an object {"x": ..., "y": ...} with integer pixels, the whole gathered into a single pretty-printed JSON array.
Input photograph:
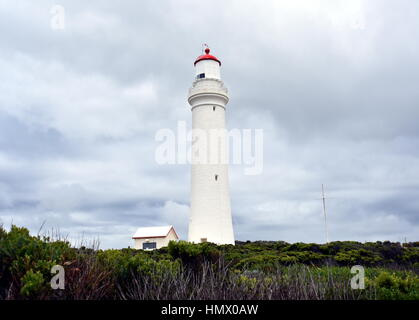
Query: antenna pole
[{"x": 325, "y": 216}]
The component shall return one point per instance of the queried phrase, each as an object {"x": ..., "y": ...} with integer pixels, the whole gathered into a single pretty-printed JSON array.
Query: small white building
[{"x": 150, "y": 238}]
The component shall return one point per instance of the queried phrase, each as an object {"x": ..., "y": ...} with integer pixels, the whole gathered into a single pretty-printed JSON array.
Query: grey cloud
[{"x": 20, "y": 140}]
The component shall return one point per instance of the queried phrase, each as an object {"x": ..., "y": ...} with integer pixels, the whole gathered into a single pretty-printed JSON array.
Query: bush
[
  {"x": 265, "y": 263},
  {"x": 360, "y": 256},
  {"x": 32, "y": 283},
  {"x": 24, "y": 257},
  {"x": 193, "y": 255},
  {"x": 393, "y": 287},
  {"x": 248, "y": 270}
]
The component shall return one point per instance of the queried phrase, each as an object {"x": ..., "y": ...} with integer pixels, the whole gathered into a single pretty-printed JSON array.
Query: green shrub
[
  {"x": 124, "y": 263},
  {"x": 393, "y": 287},
  {"x": 265, "y": 263},
  {"x": 23, "y": 255},
  {"x": 248, "y": 283},
  {"x": 306, "y": 257},
  {"x": 155, "y": 269},
  {"x": 192, "y": 255},
  {"x": 262, "y": 266},
  {"x": 360, "y": 256},
  {"x": 411, "y": 255},
  {"x": 32, "y": 283}
]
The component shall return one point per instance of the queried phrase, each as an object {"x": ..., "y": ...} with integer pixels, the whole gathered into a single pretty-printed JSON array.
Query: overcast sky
[{"x": 333, "y": 84}]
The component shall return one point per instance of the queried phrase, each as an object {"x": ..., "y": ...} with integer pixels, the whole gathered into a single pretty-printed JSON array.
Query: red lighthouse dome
[{"x": 206, "y": 56}]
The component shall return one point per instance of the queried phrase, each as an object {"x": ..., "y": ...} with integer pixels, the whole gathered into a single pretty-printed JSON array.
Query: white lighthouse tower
[{"x": 210, "y": 215}]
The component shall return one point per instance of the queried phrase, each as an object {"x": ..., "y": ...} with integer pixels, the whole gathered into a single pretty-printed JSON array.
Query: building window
[
  {"x": 149, "y": 245},
  {"x": 216, "y": 177},
  {"x": 200, "y": 76},
  {"x": 213, "y": 108},
  {"x": 203, "y": 239}
]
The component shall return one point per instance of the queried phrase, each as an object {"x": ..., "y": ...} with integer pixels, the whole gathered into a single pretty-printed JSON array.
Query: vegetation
[{"x": 248, "y": 270}]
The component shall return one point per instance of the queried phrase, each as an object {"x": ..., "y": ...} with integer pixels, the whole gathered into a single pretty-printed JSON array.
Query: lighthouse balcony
[{"x": 207, "y": 85}]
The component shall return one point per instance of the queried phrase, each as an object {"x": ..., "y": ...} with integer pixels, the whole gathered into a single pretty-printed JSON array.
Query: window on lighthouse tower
[
  {"x": 200, "y": 76},
  {"x": 216, "y": 177}
]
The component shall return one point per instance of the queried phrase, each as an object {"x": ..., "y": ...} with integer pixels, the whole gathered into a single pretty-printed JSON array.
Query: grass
[{"x": 182, "y": 271}]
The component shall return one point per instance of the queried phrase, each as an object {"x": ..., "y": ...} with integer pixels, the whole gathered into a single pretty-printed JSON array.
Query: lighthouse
[{"x": 210, "y": 213}]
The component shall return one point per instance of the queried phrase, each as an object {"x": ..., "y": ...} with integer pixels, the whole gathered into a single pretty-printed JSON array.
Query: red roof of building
[{"x": 207, "y": 56}]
